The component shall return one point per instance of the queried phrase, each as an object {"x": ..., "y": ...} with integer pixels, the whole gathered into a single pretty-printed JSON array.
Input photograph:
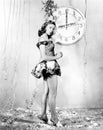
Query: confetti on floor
[{"x": 71, "y": 119}]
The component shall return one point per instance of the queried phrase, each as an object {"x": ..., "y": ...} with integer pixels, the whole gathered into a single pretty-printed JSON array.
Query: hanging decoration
[{"x": 49, "y": 7}]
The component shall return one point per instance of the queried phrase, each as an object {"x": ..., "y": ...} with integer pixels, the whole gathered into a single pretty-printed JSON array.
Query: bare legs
[
  {"x": 50, "y": 96},
  {"x": 52, "y": 84},
  {"x": 45, "y": 98}
]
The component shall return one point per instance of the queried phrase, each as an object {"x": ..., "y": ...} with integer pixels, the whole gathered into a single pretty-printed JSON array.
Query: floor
[{"x": 71, "y": 119}]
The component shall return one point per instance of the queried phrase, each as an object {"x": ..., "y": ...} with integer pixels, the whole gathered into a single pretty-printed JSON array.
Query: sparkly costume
[{"x": 46, "y": 69}]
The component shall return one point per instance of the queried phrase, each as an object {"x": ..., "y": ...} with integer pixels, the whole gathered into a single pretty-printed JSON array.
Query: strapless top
[{"x": 49, "y": 47}]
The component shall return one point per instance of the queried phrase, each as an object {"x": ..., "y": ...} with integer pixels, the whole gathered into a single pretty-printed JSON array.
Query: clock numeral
[
  {"x": 66, "y": 10},
  {"x": 66, "y": 39},
  {"x": 74, "y": 13},
  {"x": 79, "y": 18},
  {"x": 59, "y": 12},
  {"x": 60, "y": 37},
  {"x": 55, "y": 17},
  {"x": 58, "y": 22},
  {"x": 73, "y": 37},
  {"x": 80, "y": 25},
  {"x": 79, "y": 32}
]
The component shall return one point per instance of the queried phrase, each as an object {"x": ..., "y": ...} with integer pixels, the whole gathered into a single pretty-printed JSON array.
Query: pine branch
[{"x": 49, "y": 7}]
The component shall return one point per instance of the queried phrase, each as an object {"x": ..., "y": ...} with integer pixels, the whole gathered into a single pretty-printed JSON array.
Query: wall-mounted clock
[{"x": 70, "y": 24}]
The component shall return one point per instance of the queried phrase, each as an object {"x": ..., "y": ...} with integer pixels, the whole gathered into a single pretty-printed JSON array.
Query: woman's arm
[{"x": 48, "y": 58}]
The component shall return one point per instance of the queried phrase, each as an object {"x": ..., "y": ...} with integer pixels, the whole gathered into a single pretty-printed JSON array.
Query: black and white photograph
[{"x": 51, "y": 65}]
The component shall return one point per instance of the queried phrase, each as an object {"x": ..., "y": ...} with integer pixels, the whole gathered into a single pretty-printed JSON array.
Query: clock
[{"x": 70, "y": 24}]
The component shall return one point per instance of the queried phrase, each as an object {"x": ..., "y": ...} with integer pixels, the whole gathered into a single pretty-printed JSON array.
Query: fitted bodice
[{"x": 49, "y": 47}]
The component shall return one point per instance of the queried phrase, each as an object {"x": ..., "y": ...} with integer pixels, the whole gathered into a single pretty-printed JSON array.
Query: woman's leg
[
  {"x": 44, "y": 100},
  {"x": 52, "y": 84}
]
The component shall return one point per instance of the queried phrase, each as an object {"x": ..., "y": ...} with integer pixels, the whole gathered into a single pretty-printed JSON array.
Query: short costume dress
[{"x": 44, "y": 68}]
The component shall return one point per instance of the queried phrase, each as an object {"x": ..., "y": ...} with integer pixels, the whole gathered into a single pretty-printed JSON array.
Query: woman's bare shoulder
[{"x": 43, "y": 38}]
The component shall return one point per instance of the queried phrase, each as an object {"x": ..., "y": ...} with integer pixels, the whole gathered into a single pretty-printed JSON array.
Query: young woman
[{"x": 49, "y": 69}]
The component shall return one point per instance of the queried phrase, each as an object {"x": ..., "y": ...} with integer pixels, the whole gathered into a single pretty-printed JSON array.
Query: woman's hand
[{"x": 59, "y": 55}]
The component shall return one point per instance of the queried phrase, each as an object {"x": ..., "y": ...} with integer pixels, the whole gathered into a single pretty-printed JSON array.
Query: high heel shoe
[
  {"x": 56, "y": 123},
  {"x": 43, "y": 118}
]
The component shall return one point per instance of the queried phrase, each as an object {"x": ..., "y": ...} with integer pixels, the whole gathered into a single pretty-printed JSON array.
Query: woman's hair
[{"x": 42, "y": 30}]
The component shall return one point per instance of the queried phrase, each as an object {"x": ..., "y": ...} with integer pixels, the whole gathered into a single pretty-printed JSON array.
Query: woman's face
[{"x": 49, "y": 29}]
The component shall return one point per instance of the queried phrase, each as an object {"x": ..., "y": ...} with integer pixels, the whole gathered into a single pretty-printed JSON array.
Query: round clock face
[{"x": 70, "y": 25}]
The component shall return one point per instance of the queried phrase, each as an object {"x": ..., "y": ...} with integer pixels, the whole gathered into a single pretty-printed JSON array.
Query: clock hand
[
  {"x": 67, "y": 25},
  {"x": 61, "y": 26},
  {"x": 71, "y": 24},
  {"x": 66, "y": 11}
]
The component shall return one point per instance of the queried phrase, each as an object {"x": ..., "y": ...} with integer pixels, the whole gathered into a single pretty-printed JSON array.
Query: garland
[{"x": 49, "y": 7}]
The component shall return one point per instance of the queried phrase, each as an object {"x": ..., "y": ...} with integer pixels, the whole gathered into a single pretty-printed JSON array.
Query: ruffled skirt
[{"x": 46, "y": 69}]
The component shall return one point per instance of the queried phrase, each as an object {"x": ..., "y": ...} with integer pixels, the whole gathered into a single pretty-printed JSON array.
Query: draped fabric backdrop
[{"x": 82, "y": 66}]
